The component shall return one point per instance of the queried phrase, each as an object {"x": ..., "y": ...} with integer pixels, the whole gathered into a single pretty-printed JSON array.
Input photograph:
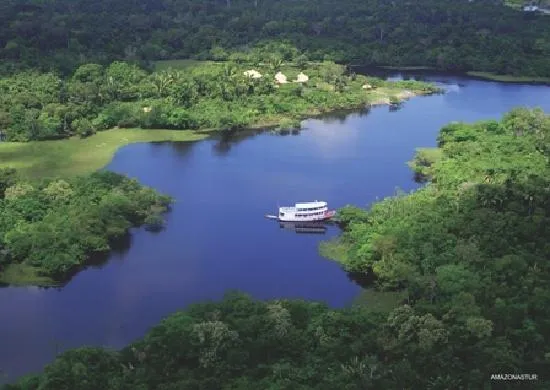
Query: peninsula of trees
[
  {"x": 273, "y": 83},
  {"x": 52, "y": 228}
]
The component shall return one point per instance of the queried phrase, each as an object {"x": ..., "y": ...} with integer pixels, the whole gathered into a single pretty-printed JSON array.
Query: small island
[{"x": 51, "y": 229}]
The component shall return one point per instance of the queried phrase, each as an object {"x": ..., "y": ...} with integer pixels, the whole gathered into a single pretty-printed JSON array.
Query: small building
[
  {"x": 301, "y": 78},
  {"x": 280, "y": 78},
  {"x": 252, "y": 74}
]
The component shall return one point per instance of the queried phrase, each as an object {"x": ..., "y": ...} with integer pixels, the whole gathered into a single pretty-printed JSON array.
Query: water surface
[{"x": 216, "y": 237}]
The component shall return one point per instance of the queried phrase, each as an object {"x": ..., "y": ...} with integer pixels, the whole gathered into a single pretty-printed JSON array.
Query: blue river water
[{"x": 216, "y": 237}]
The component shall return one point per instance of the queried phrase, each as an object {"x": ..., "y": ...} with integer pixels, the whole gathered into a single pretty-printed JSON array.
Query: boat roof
[
  {"x": 315, "y": 203},
  {"x": 287, "y": 209}
]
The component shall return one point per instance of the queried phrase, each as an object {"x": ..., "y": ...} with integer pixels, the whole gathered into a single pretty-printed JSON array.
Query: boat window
[{"x": 281, "y": 214}]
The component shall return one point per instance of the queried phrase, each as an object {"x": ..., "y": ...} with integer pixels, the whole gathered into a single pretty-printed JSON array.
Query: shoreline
[
  {"x": 20, "y": 275},
  {"x": 75, "y": 156},
  {"x": 509, "y": 79},
  {"x": 488, "y": 76}
]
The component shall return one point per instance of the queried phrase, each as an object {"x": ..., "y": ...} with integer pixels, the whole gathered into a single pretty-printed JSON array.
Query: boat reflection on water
[{"x": 304, "y": 227}]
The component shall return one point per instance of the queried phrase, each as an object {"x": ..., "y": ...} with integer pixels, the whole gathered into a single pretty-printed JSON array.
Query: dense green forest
[
  {"x": 483, "y": 35},
  {"x": 470, "y": 252},
  {"x": 50, "y": 229},
  {"x": 39, "y": 106},
  {"x": 472, "y": 246}
]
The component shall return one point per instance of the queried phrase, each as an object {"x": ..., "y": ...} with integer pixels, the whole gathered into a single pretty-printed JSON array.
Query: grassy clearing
[
  {"x": 372, "y": 300},
  {"x": 75, "y": 156},
  {"x": 424, "y": 159},
  {"x": 334, "y": 250},
  {"x": 24, "y": 275},
  {"x": 510, "y": 79}
]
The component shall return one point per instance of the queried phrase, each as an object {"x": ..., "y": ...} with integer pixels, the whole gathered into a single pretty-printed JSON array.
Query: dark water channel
[{"x": 216, "y": 237}]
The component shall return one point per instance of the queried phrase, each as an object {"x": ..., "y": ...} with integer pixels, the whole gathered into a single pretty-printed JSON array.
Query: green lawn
[
  {"x": 77, "y": 156},
  {"x": 509, "y": 79},
  {"x": 334, "y": 249}
]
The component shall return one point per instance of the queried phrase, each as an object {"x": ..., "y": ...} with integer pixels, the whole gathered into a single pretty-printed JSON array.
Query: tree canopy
[
  {"x": 483, "y": 35},
  {"x": 52, "y": 228},
  {"x": 39, "y": 106}
]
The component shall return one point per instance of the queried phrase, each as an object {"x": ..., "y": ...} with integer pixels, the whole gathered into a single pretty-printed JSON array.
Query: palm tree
[
  {"x": 161, "y": 81},
  {"x": 275, "y": 63}
]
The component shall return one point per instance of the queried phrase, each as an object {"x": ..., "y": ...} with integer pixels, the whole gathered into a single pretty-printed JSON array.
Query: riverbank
[
  {"x": 508, "y": 78},
  {"x": 25, "y": 275},
  {"x": 371, "y": 238},
  {"x": 77, "y": 156},
  {"x": 473, "y": 74}
]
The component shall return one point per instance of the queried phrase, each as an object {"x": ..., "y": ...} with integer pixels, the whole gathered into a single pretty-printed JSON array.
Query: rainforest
[
  {"x": 462, "y": 258},
  {"x": 480, "y": 35}
]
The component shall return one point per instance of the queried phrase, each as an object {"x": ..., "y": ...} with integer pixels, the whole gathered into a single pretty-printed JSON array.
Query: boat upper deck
[
  {"x": 287, "y": 209},
  {"x": 310, "y": 205}
]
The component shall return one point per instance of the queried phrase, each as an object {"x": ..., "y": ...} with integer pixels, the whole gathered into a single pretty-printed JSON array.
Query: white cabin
[{"x": 305, "y": 211}]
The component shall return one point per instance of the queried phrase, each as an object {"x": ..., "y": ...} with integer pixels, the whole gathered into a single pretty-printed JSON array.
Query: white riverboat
[{"x": 304, "y": 212}]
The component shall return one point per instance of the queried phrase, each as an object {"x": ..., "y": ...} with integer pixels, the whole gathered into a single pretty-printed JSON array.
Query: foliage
[
  {"x": 470, "y": 248},
  {"x": 482, "y": 35},
  {"x": 36, "y": 106},
  {"x": 240, "y": 343},
  {"x": 423, "y": 161},
  {"x": 54, "y": 226}
]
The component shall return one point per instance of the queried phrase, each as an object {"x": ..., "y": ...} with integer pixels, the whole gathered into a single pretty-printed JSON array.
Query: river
[{"x": 216, "y": 238}]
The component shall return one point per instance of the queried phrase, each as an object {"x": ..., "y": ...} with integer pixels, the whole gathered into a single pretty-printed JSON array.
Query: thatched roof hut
[
  {"x": 280, "y": 78},
  {"x": 252, "y": 73},
  {"x": 301, "y": 78}
]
